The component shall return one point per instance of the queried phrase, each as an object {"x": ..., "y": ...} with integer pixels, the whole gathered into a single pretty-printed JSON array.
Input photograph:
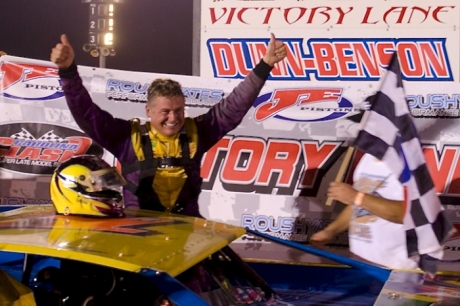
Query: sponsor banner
[
  {"x": 38, "y": 148},
  {"x": 338, "y": 40},
  {"x": 270, "y": 174},
  {"x": 40, "y": 78}
]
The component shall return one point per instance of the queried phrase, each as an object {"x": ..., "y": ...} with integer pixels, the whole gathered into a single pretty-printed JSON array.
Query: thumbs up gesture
[
  {"x": 62, "y": 54},
  {"x": 276, "y": 51}
]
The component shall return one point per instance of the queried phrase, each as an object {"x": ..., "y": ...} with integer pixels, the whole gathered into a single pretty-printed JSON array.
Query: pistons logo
[
  {"x": 303, "y": 105},
  {"x": 29, "y": 81}
]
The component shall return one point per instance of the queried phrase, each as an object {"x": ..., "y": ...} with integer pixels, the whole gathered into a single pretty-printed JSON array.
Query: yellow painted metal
[
  {"x": 410, "y": 289},
  {"x": 13, "y": 293},
  {"x": 142, "y": 240}
]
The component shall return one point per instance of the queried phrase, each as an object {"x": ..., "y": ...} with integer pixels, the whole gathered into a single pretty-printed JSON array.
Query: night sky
[{"x": 150, "y": 35}]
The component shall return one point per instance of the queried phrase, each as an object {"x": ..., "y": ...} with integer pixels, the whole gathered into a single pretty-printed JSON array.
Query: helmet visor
[{"x": 108, "y": 178}]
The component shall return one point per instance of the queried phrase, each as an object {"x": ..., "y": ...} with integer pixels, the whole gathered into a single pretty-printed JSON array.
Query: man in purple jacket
[{"x": 161, "y": 159}]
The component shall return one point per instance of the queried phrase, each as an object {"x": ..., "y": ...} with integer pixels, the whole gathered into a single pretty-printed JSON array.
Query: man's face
[{"x": 166, "y": 114}]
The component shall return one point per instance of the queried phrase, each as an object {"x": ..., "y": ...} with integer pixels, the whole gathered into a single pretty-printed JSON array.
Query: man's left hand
[{"x": 276, "y": 51}]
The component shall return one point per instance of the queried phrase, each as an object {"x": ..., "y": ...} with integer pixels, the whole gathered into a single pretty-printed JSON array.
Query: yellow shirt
[{"x": 168, "y": 182}]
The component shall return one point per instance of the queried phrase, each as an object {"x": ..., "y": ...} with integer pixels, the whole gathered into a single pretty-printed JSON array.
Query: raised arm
[
  {"x": 228, "y": 114},
  {"x": 98, "y": 124}
]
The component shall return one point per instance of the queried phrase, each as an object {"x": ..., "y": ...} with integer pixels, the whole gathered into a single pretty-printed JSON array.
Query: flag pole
[{"x": 341, "y": 173}]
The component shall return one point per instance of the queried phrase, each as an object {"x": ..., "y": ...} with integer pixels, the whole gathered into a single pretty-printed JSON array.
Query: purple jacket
[{"x": 114, "y": 134}]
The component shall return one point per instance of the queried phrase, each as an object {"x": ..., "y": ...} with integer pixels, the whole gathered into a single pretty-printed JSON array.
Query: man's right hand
[{"x": 62, "y": 54}]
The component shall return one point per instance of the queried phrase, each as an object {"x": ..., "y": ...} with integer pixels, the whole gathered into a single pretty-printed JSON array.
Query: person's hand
[
  {"x": 62, "y": 54},
  {"x": 276, "y": 51},
  {"x": 342, "y": 192},
  {"x": 321, "y": 237}
]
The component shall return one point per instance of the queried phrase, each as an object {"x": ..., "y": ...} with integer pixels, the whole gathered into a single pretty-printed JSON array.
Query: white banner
[
  {"x": 349, "y": 40},
  {"x": 270, "y": 174}
]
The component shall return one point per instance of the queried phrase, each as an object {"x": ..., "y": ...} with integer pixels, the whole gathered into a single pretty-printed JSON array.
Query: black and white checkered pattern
[
  {"x": 50, "y": 136},
  {"x": 387, "y": 132},
  {"x": 23, "y": 135}
]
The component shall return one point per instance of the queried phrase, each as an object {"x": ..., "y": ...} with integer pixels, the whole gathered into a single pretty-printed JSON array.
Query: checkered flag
[
  {"x": 388, "y": 133},
  {"x": 23, "y": 135},
  {"x": 50, "y": 136}
]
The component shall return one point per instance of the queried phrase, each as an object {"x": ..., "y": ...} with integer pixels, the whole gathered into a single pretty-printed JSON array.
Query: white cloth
[{"x": 371, "y": 237}]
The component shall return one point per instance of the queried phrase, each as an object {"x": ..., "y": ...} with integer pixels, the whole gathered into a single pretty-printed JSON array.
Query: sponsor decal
[
  {"x": 29, "y": 81},
  {"x": 23, "y": 201},
  {"x": 202, "y": 97},
  {"x": 434, "y": 105},
  {"x": 119, "y": 90},
  {"x": 303, "y": 105},
  {"x": 452, "y": 246},
  {"x": 288, "y": 228},
  {"x": 37, "y": 148},
  {"x": 135, "y": 92},
  {"x": 346, "y": 59},
  {"x": 124, "y": 226}
]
